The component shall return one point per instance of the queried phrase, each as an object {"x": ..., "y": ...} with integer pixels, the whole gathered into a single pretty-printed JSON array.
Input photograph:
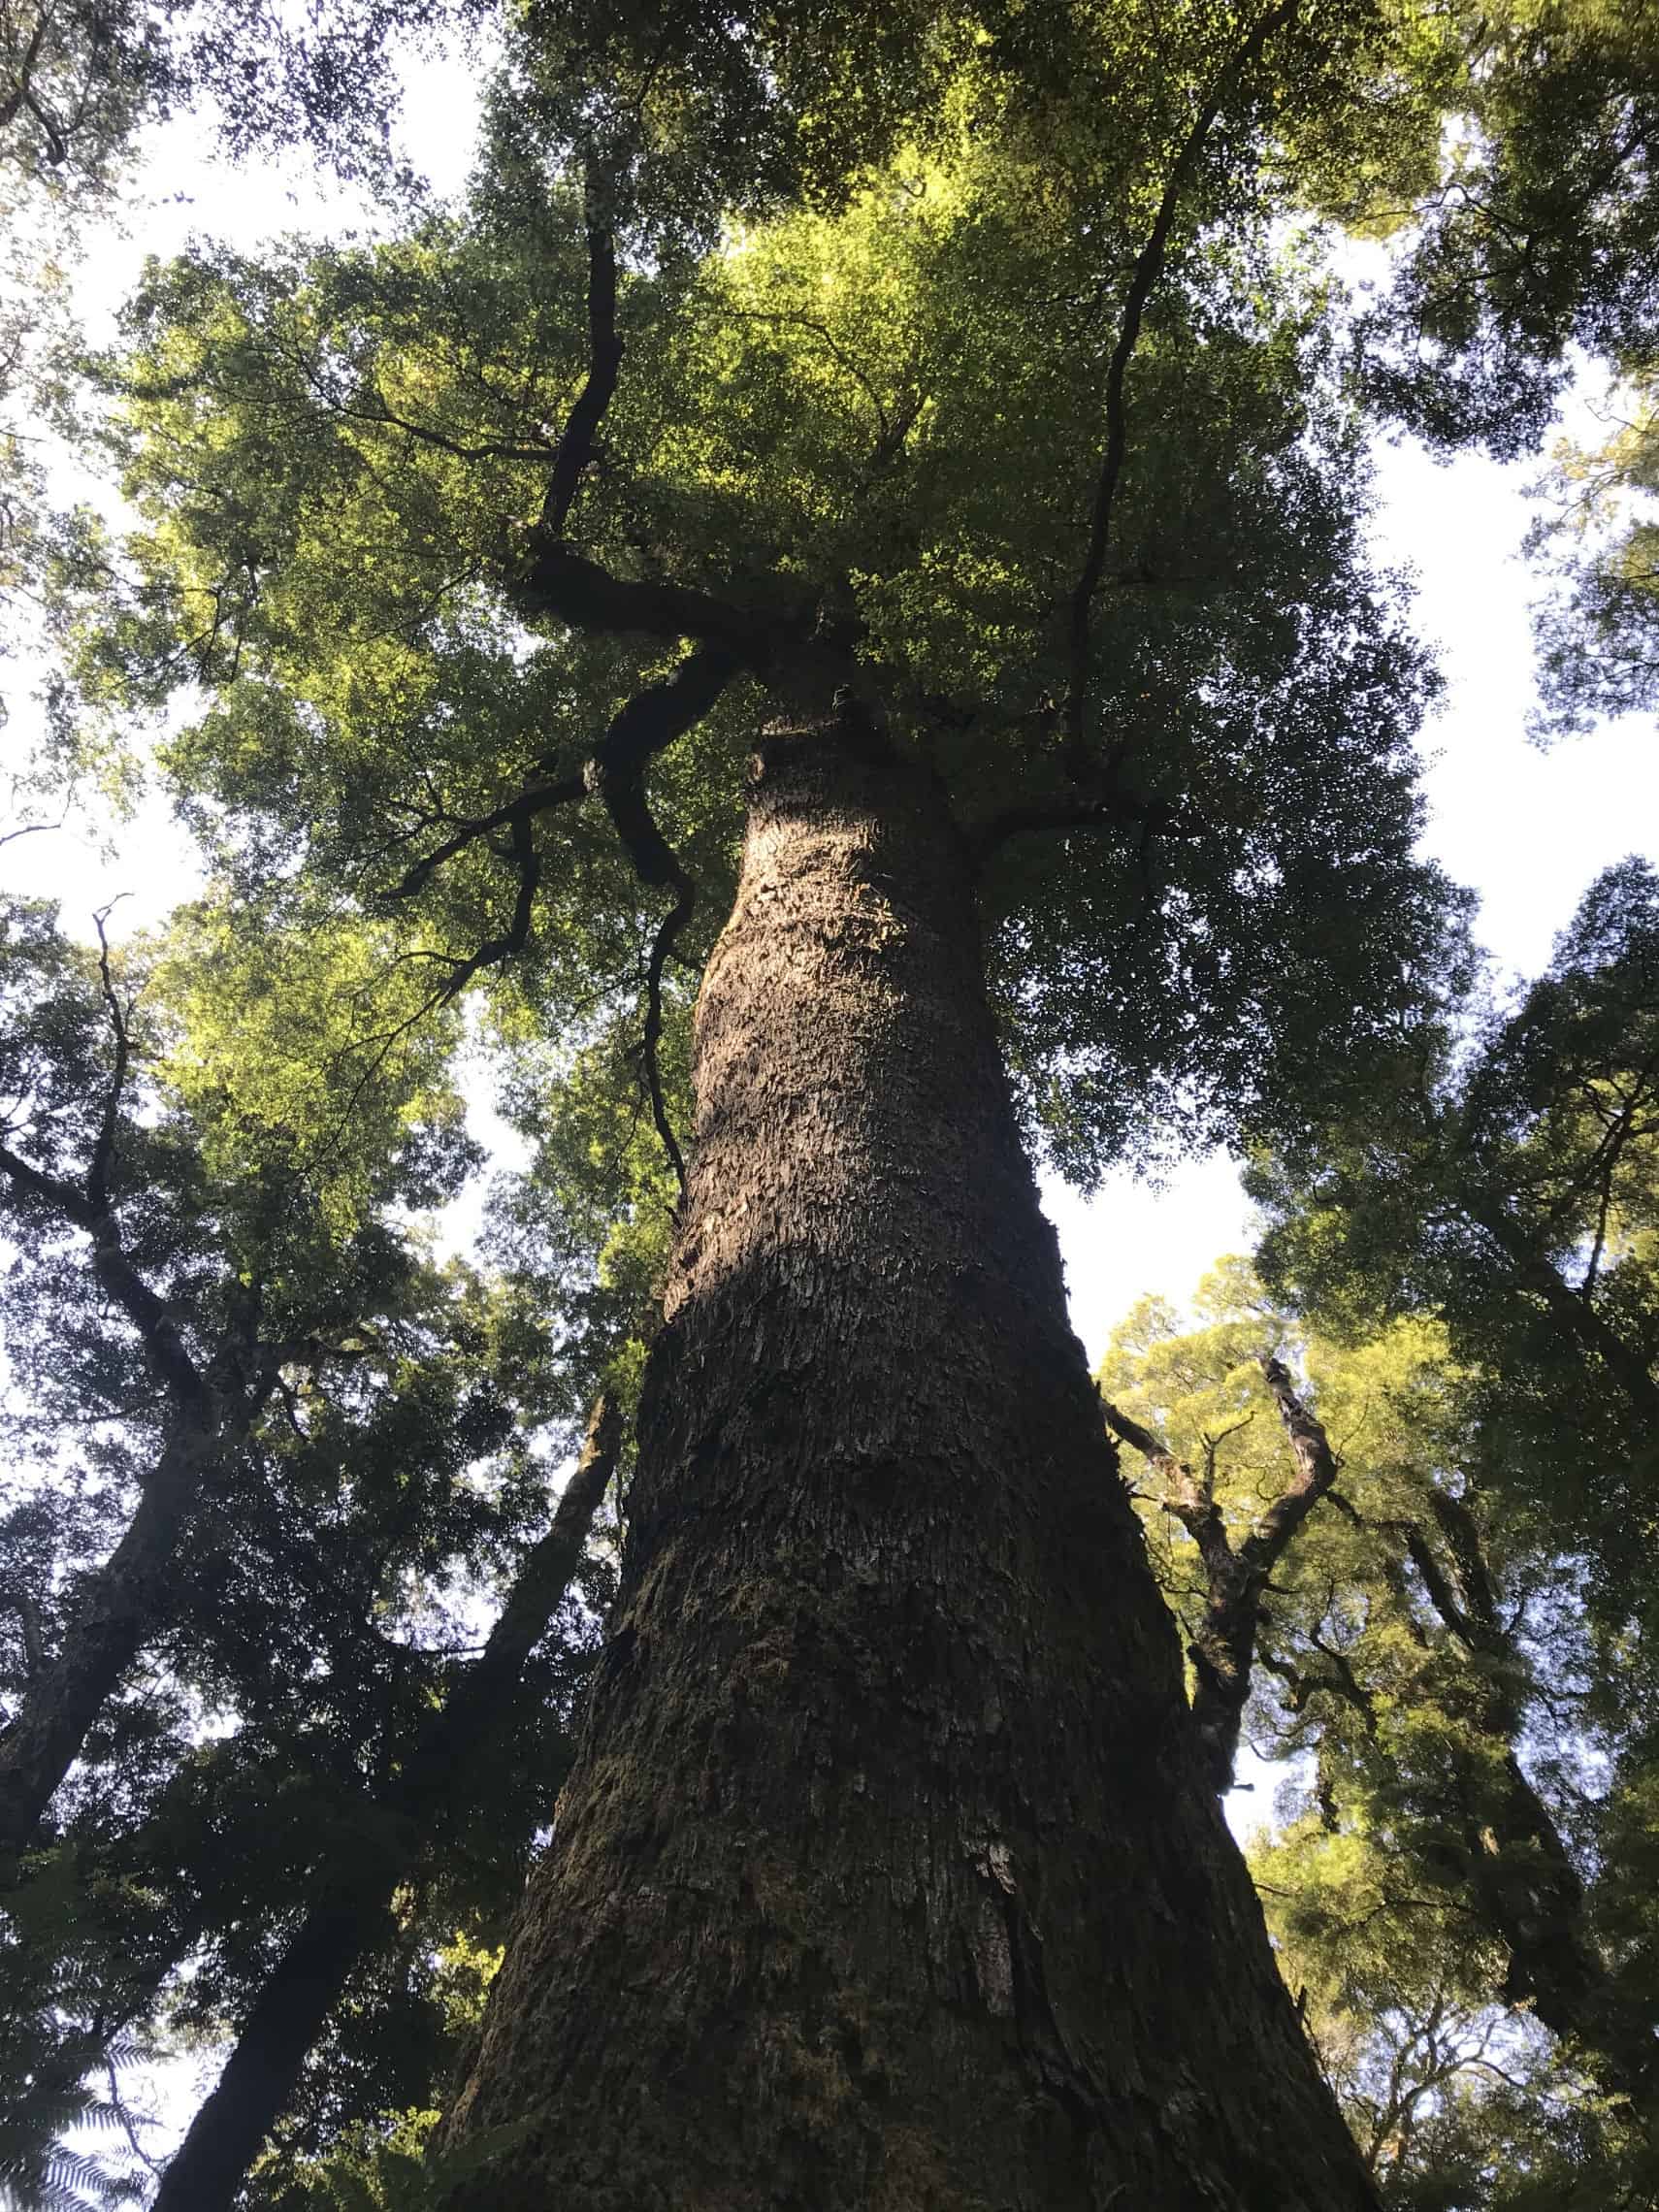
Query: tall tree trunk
[{"x": 887, "y": 1878}]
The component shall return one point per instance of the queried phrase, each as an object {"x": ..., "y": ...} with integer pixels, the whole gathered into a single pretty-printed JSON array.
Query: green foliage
[
  {"x": 78, "y": 77},
  {"x": 1598, "y": 628},
  {"x": 1510, "y": 1188},
  {"x": 262, "y": 1157},
  {"x": 390, "y": 2169},
  {"x": 62, "y": 2048},
  {"x": 965, "y": 369},
  {"x": 1458, "y": 2105},
  {"x": 1541, "y": 232},
  {"x": 838, "y": 420},
  {"x": 1472, "y": 1794}
]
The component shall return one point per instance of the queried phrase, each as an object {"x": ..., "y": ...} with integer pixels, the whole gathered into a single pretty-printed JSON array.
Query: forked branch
[
  {"x": 1224, "y": 1644},
  {"x": 646, "y": 726}
]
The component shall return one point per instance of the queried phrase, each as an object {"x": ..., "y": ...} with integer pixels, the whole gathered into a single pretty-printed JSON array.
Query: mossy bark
[{"x": 887, "y": 1878}]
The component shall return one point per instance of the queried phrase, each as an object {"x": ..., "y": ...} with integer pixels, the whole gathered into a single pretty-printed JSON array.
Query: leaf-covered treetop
[{"x": 1019, "y": 415}]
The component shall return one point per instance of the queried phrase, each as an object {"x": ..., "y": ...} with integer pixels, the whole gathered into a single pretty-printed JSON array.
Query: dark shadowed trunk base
[{"x": 886, "y": 1882}]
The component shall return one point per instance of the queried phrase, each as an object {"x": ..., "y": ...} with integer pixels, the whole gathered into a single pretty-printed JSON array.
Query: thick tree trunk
[{"x": 887, "y": 1881}]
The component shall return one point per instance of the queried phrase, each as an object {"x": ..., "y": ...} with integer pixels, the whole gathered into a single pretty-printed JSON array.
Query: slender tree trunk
[
  {"x": 887, "y": 1878},
  {"x": 66, "y": 1694},
  {"x": 352, "y": 1918}
]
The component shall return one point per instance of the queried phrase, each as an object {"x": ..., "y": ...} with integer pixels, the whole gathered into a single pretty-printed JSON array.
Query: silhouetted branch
[
  {"x": 604, "y": 359},
  {"x": 646, "y": 726},
  {"x": 104, "y": 1150},
  {"x": 556, "y": 580},
  {"x": 533, "y": 799}
]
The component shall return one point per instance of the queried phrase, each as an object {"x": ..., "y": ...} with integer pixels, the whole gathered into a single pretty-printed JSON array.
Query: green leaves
[
  {"x": 393, "y": 2169},
  {"x": 1464, "y": 1834},
  {"x": 878, "y": 425},
  {"x": 1511, "y": 1190}
]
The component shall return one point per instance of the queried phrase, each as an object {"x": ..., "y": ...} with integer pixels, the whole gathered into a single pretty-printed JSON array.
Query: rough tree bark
[{"x": 887, "y": 1878}]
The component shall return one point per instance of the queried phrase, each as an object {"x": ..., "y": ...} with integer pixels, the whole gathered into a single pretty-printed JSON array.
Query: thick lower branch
[{"x": 605, "y": 361}]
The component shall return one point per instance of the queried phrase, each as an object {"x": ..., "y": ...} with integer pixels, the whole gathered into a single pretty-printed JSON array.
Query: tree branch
[
  {"x": 532, "y": 800},
  {"x": 1317, "y": 1469},
  {"x": 115, "y": 1273},
  {"x": 555, "y": 580},
  {"x": 646, "y": 726},
  {"x": 494, "y": 950},
  {"x": 1222, "y": 1643},
  {"x": 604, "y": 359},
  {"x": 1148, "y": 268},
  {"x": 349, "y": 1916},
  {"x": 104, "y": 1150},
  {"x": 1226, "y": 1641}
]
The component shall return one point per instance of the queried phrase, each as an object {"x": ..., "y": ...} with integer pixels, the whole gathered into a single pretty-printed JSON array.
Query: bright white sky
[{"x": 1527, "y": 830}]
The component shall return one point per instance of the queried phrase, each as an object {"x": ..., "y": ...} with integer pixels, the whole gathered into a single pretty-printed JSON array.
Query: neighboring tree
[
  {"x": 1237, "y": 1568},
  {"x": 77, "y": 78},
  {"x": 1508, "y": 1184},
  {"x": 1601, "y": 626},
  {"x": 278, "y": 1718},
  {"x": 1458, "y": 2105},
  {"x": 118, "y": 1192},
  {"x": 1467, "y": 1853},
  {"x": 1538, "y": 233},
  {"x": 348, "y": 1919}
]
